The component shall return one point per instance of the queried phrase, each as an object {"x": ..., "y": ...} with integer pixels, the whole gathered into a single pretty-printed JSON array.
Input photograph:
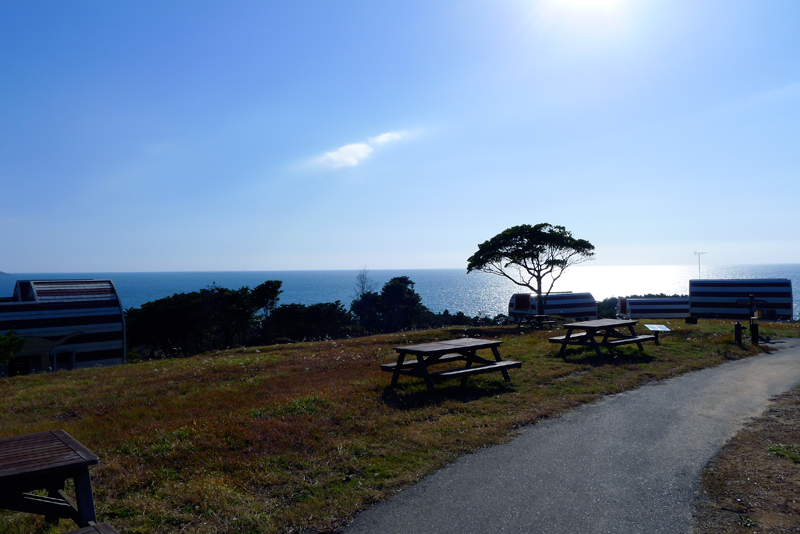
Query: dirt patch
[{"x": 749, "y": 488}]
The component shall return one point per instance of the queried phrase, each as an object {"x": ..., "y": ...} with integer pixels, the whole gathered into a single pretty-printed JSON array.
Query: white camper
[{"x": 577, "y": 306}]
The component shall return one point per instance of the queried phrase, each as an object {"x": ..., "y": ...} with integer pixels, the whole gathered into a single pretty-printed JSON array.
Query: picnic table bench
[
  {"x": 464, "y": 349},
  {"x": 537, "y": 321},
  {"x": 606, "y": 329},
  {"x": 45, "y": 461}
]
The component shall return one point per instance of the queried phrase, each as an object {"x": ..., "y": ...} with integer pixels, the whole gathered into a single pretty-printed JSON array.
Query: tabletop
[
  {"x": 450, "y": 345},
  {"x": 40, "y": 454},
  {"x": 602, "y": 323}
]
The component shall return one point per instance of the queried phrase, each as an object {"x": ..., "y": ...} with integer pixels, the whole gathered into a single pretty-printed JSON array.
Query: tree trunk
[{"x": 540, "y": 297}]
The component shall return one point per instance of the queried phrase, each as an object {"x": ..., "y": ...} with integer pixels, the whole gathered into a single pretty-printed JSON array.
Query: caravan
[
  {"x": 577, "y": 306},
  {"x": 66, "y": 324},
  {"x": 653, "y": 308},
  {"x": 740, "y": 299}
]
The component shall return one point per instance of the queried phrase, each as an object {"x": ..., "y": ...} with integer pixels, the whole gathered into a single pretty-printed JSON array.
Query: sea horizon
[
  {"x": 440, "y": 289},
  {"x": 580, "y": 266}
]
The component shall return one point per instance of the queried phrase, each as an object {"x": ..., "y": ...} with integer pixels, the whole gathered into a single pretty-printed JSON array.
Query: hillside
[{"x": 292, "y": 437}]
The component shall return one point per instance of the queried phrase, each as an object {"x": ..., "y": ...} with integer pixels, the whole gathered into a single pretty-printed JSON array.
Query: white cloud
[
  {"x": 346, "y": 156},
  {"x": 353, "y": 154},
  {"x": 386, "y": 137}
]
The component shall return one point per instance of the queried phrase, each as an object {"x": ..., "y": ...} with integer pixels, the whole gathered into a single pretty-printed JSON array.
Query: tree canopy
[
  {"x": 397, "y": 307},
  {"x": 190, "y": 323},
  {"x": 10, "y": 345},
  {"x": 529, "y": 255}
]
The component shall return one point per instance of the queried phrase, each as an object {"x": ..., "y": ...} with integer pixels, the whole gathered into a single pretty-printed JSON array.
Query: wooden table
[
  {"x": 463, "y": 349},
  {"x": 537, "y": 321},
  {"x": 606, "y": 329},
  {"x": 45, "y": 461}
]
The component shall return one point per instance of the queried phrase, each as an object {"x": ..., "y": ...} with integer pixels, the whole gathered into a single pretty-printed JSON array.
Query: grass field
[{"x": 301, "y": 437}]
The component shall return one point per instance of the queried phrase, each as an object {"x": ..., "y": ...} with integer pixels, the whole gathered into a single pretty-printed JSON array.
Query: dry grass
[
  {"x": 753, "y": 484},
  {"x": 301, "y": 437}
]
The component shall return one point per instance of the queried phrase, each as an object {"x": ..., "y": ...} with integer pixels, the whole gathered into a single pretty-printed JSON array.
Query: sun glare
[
  {"x": 588, "y": 5},
  {"x": 588, "y": 23}
]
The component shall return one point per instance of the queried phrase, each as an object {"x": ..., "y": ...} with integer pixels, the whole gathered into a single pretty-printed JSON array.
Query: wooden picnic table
[
  {"x": 606, "y": 329},
  {"x": 464, "y": 349},
  {"x": 45, "y": 461}
]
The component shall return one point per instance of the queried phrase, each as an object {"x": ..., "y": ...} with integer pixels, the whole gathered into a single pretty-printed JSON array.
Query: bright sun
[{"x": 588, "y": 4}]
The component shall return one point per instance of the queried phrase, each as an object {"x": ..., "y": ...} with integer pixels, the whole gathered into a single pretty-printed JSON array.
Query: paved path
[{"x": 626, "y": 464}]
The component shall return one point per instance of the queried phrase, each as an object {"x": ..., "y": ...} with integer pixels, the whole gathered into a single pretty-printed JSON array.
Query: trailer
[
  {"x": 767, "y": 298},
  {"x": 66, "y": 324},
  {"x": 578, "y": 306},
  {"x": 653, "y": 308}
]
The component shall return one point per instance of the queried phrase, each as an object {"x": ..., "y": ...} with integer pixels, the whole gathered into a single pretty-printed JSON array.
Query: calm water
[{"x": 440, "y": 289}]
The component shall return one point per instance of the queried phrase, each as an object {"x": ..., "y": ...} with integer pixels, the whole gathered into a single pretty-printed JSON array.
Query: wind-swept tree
[{"x": 531, "y": 256}]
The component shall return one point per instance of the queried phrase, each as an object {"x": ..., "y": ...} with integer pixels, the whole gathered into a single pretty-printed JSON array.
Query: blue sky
[{"x": 174, "y": 136}]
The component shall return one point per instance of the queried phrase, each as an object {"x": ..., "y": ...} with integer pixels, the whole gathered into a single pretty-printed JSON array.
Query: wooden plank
[
  {"x": 480, "y": 369},
  {"x": 560, "y": 339},
  {"x": 33, "y": 458},
  {"x": 445, "y": 347},
  {"x": 51, "y": 449},
  {"x": 627, "y": 340},
  {"x": 602, "y": 323},
  {"x": 411, "y": 363},
  {"x": 37, "y": 504},
  {"x": 472, "y": 343},
  {"x": 73, "y": 444}
]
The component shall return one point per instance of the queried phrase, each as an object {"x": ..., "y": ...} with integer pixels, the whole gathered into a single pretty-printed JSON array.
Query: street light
[{"x": 698, "y": 262}]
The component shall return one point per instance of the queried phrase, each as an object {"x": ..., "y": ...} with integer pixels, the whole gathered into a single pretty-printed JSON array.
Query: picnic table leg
[
  {"x": 633, "y": 333},
  {"x": 497, "y": 357},
  {"x": 467, "y": 366},
  {"x": 84, "y": 498},
  {"x": 607, "y": 334},
  {"x": 54, "y": 492},
  {"x": 565, "y": 342},
  {"x": 595, "y": 345},
  {"x": 423, "y": 370},
  {"x": 397, "y": 368}
]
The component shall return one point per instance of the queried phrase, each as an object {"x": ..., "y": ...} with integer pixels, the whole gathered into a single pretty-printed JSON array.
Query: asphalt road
[{"x": 628, "y": 463}]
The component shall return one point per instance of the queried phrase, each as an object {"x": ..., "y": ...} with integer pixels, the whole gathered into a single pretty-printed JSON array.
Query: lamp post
[{"x": 698, "y": 262}]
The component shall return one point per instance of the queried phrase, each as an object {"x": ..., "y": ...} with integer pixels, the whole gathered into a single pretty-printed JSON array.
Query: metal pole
[{"x": 698, "y": 263}]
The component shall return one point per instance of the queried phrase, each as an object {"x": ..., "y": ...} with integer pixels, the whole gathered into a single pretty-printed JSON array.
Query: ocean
[{"x": 440, "y": 289}]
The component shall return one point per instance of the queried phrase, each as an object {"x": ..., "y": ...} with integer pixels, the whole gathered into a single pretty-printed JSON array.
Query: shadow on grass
[
  {"x": 481, "y": 332},
  {"x": 413, "y": 396},
  {"x": 613, "y": 357},
  {"x": 630, "y": 357}
]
